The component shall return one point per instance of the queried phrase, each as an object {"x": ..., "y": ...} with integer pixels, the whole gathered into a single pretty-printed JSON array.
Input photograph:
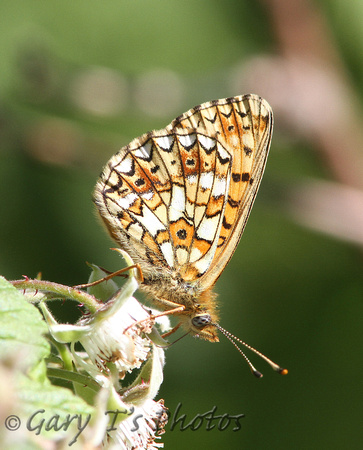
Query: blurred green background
[{"x": 80, "y": 79}]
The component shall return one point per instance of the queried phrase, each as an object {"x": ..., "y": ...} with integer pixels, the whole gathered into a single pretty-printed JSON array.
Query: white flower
[
  {"x": 116, "y": 337},
  {"x": 139, "y": 431}
]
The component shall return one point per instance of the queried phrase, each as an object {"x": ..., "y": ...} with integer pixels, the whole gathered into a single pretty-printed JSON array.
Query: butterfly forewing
[
  {"x": 244, "y": 126},
  {"x": 178, "y": 199}
]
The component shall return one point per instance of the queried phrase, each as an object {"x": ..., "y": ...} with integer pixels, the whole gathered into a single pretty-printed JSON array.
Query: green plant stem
[
  {"x": 64, "y": 353},
  {"x": 77, "y": 295},
  {"x": 74, "y": 377}
]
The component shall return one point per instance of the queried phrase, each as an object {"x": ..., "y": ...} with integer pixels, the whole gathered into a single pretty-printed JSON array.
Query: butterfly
[{"x": 177, "y": 201}]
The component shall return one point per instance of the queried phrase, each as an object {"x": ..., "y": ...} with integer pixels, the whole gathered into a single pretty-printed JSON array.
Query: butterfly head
[{"x": 202, "y": 325}]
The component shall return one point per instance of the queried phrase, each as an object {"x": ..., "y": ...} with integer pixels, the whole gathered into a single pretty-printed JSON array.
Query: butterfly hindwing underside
[{"x": 177, "y": 200}]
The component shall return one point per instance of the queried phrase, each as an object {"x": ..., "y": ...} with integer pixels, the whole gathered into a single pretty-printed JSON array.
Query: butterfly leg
[
  {"x": 111, "y": 275},
  {"x": 176, "y": 310}
]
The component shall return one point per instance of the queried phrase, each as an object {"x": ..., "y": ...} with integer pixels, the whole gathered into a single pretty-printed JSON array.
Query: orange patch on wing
[
  {"x": 182, "y": 233},
  {"x": 150, "y": 243},
  {"x": 190, "y": 160},
  {"x": 162, "y": 236},
  {"x": 136, "y": 207},
  {"x": 202, "y": 245},
  {"x": 189, "y": 273},
  {"x": 215, "y": 206}
]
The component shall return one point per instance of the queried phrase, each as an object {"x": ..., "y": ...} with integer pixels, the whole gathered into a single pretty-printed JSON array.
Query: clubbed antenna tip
[{"x": 233, "y": 339}]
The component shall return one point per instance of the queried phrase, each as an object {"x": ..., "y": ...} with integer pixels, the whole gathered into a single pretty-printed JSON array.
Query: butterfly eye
[{"x": 201, "y": 321}]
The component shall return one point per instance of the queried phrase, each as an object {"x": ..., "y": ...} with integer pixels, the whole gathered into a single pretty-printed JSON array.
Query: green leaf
[
  {"x": 52, "y": 410},
  {"x": 21, "y": 331}
]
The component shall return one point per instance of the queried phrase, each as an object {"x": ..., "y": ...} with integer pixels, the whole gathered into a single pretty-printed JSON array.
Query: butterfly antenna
[{"x": 255, "y": 372}]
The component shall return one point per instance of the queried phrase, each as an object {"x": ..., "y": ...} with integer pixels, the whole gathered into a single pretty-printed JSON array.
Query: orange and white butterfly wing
[
  {"x": 243, "y": 125},
  {"x": 162, "y": 198},
  {"x": 177, "y": 200},
  {"x": 132, "y": 204}
]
